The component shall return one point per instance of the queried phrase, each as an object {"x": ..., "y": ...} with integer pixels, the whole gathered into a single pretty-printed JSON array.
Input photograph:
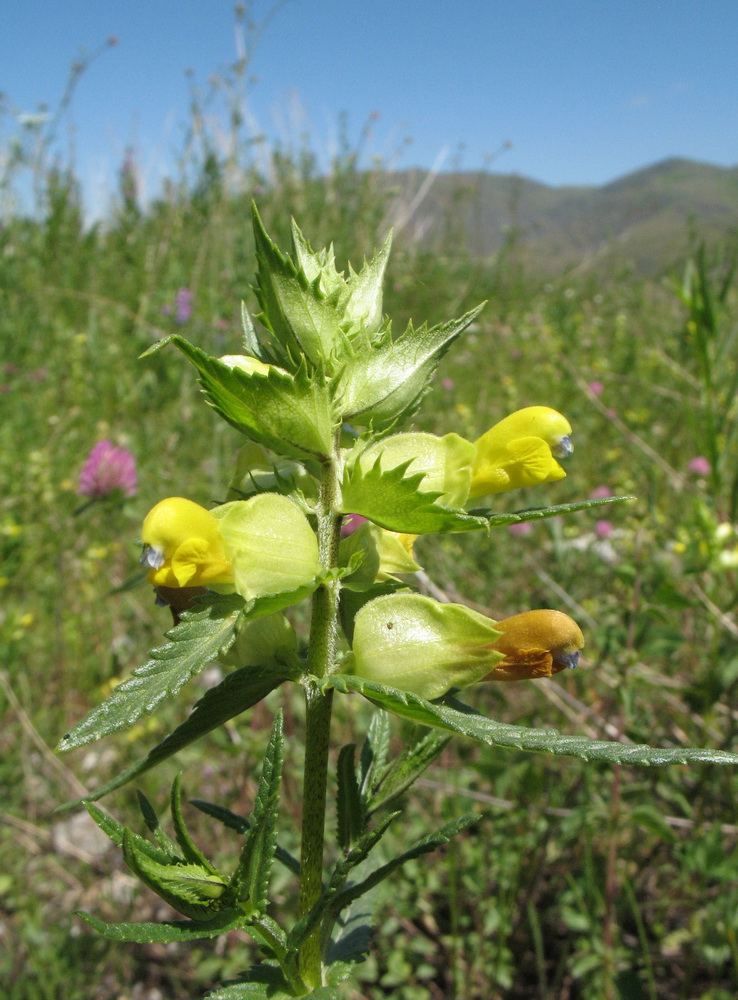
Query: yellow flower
[
  {"x": 183, "y": 546},
  {"x": 536, "y": 644},
  {"x": 519, "y": 451}
]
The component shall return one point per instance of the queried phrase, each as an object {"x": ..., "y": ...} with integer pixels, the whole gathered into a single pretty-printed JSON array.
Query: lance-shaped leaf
[
  {"x": 496, "y": 520},
  {"x": 374, "y": 755},
  {"x": 193, "y": 644},
  {"x": 386, "y": 380},
  {"x": 188, "y": 848},
  {"x": 235, "y": 694},
  {"x": 290, "y": 414},
  {"x": 393, "y": 500},
  {"x": 267, "y": 983},
  {"x": 164, "y": 933},
  {"x": 240, "y": 824},
  {"x": 455, "y": 717},
  {"x": 250, "y": 881},
  {"x": 407, "y": 768},
  {"x": 304, "y": 311},
  {"x": 349, "y": 809}
]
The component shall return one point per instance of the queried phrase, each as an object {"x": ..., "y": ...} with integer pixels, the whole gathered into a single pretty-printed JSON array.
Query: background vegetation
[{"x": 579, "y": 881}]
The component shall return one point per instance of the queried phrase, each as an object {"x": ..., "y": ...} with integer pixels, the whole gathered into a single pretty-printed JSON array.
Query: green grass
[{"x": 579, "y": 881}]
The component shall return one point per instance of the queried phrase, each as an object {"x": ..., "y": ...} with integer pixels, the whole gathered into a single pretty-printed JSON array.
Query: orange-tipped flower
[{"x": 536, "y": 644}]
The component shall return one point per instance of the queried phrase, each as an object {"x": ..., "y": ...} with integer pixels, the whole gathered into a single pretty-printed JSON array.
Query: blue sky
[{"x": 584, "y": 90}]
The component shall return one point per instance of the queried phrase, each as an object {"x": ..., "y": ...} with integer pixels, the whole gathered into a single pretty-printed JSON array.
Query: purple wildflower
[
  {"x": 107, "y": 469},
  {"x": 603, "y": 529},
  {"x": 700, "y": 466},
  {"x": 521, "y": 529},
  {"x": 600, "y": 492},
  {"x": 596, "y": 388},
  {"x": 183, "y": 305}
]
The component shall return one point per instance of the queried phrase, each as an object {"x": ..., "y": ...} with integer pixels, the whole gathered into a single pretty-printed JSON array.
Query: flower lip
[
  {"x": 152, "y": 556},
  {"x": 563, "y": 447},
  {"x": 570, "y": 660}
]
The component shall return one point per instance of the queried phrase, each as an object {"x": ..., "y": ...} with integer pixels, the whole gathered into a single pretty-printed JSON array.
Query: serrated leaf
[
  {"x": 267, "y": 989},
  {"x": 189, "y": 849},
  {"x": 290, "y": 414},
  {"x": 407, "y": 768},
  {"x": 193, "y": 644},
  {"x": 496, "y": 520},
  {"x": 236, "y": 693},
  {"x": 151, "y": 820},
  {"x": 240, "y": 824},
  {"x": 164, "y": 933},
  {"x": 385, "y": 381},
  {"x": 392, "y": 499},
  {"x": 116, "y": 831},
  {"x": 349, "y": 810},
  {"x": 296, "y": 307},
  {"x": 374, "y": 754},
  {"x": 251, "y": 343},
  {"x": 350, "y": 943},
  {"x": 425, "y": 846},
  {"x": 456, "y": 717},
  {"x": 251, "y": 878}
]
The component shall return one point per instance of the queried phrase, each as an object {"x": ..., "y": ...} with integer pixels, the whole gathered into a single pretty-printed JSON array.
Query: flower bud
[
  {"x": 519, "y": 451},
  {"x": 536, "y": 644}
]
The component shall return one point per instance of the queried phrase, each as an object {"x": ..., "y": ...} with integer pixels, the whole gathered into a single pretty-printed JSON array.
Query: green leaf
[
  {"x": 456, "y": 717},
  {"x": 189, "y": 849},
  {"x": 392, "y": 499},
  {"x": 193, "y": 644},
  {"x": 266, "y": 982},
  {"x": 539, "y": 513},
  {"x": 236, "y": 693},
  {"x": 407, "y": 768},
  {"x": 163, "y": 853},
  {"x": 349, "y": 810},
  {"x": 173, "y": 930},
  {"x": 425, "y": 846},
  {"x": 385, "y": 381},
  {"x": 374, "y": 753},
  {"x": 298, "y": 309},
  {"x": 250, "y": 880},
  {"x": 240, "y": 824},
  {"x": 197, "y": 891},
  {"x": 290, "y": 414},
  {"x": 151, "y": 820}
]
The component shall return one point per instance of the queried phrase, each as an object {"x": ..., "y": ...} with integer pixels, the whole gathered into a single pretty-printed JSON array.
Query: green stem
[{"x": 321, "y": 655}]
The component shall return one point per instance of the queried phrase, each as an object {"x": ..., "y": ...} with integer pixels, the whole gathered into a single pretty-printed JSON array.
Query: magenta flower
[
  {"x": 350, "y": 523},
  {"x": 107, "y": 469},
  {"x": 700, "y": 466},
  {"x": 596, "y": 388},
  {"x": 603, "y": 529},
  {"x": 600, "y": 492},
  {"x": 521, "y": 529}
]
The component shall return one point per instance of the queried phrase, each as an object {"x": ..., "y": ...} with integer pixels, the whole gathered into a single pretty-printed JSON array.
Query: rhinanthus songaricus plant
[{"x": 327, "y": 498}]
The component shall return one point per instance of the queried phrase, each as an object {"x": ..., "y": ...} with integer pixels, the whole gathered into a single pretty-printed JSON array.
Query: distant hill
[{"x": 642, "y": 219}]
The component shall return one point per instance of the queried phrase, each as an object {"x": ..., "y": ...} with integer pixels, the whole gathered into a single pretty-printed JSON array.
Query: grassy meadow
[{"x": 580, "y": 881}]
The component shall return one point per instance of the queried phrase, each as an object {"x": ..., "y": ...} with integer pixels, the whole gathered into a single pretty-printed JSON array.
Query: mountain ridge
[{"x": 643, "y": 219}]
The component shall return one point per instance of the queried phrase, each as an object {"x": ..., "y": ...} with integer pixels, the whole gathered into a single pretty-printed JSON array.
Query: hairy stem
[{"x": 321, "y": 657}]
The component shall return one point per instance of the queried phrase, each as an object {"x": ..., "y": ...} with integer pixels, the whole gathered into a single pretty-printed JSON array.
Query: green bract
[
  {"x": 270, "y": 544},
  {"x": 445, "y": 462},
  {"x": 413, "y": 643}
]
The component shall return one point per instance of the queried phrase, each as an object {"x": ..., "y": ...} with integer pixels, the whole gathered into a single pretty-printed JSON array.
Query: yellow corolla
[
  {"x": 536, "y": 644},
  {"x": 183, "y": 546},
  {"x": 519, "y": 451}
]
